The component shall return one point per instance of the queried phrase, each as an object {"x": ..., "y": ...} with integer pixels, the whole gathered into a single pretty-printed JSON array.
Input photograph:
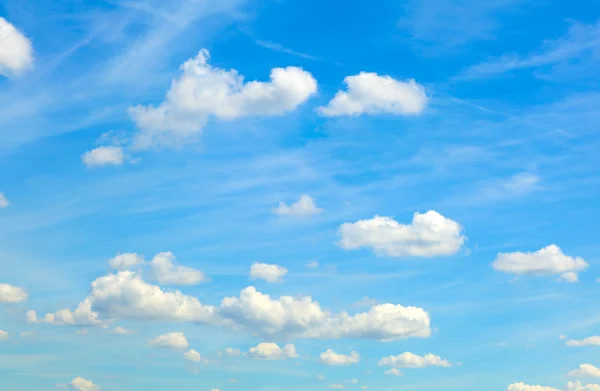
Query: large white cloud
[
  {"x": 272, "y": 351},
  {"x": 411, "y": 360},
  {"x": 305, "y": 206},
  {"x": 548, "y": 260},
  {"x": 578, "y": 386},
  {"x": 124, "y": 295},
  {"x": 103, "y": 156},
  {"x": 429, "y": 234},
  {"x": 82, "y": 384},
  {"x": 370, "y": 93},
  {"x": 267, "y": 272},
  {"x": 586, "y": 370},
  {"x": 526, "y": 387},
  {"x": 589, "y": 341},
  {"x": 166, "y": 271},
  {"x": 174, "y": 340},
  {"x": 203, "y": 91},
  {"x": 4, "y": 203},
  {"x": 330, "y": 357},
  {"x": 16, "y": 53},
  {"x": 12, "y": 294}
]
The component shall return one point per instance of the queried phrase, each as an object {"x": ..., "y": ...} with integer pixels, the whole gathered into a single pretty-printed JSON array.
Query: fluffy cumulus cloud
[
  {"x": 270, "y": 273},
  {"x": 4, "y": 203},
  {"x": 82, "y": 384},
  {"x": 175, "y": 340},
  {"x": 578, "y": 386},
  {"x": 12, "y": 294},
  {"x": 430, "y": 234},
  {"x": 589, "y": 341},
  {"x": 393, "y": 372},
  {"x": 103, "y": 156},
  {"x": 305, "y": 206},
  {"x": 192, "y": 355},
  {"x": 370, "y": 93},
  {"x": 549, "y": 260},
  {"x": 81, "y": 316},
  {"x": 125, "y": 295},
  {"x": 122, "y": 331},
  {"x": 166, "y": 271},
  {"x": 203, "y": 91},
  {"x": 330, "y": 357},
  {"x": 272, "y": 351},
  {"x": 526, "y": 387},
  {"x": 125, "y": 261},
  {"x": 232, "y": 352},
  {"x": 16, "y": 52},
  {"x": 411, "y": 360},
  {"x": 586, "y": 370}
]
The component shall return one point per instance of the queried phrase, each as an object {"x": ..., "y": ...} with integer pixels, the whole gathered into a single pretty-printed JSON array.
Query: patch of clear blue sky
[{"x": 210, "y": 203}]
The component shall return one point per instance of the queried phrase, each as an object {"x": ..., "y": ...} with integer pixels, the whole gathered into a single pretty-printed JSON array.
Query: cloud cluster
[
  {"x": 586, "y": 370},
  {"x": 272, "y": 351},
  {"x": 82, "y": 384},
  {"x": 330, "y": 357},
  {"x": 16, "y": 52},
  {"x": 430, "y": 234},
  {"x": 203, "y": 91},
  {"x": 370, "y": 93},
  {"x": 411, "y": 360},
  {"x": 546, "y": 261}
]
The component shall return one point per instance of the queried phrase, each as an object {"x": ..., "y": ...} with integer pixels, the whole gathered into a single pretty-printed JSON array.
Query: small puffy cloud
[
  {"x": 103, "y": 156},
  {"x": 312, "y": 264},
  {"x": 125, "y": 261},
  {"x": 81, "y": 384},
  {"x": 336, "y": 386},
  {"x": 4, "y": 203},
  {"x": 83, "y": 315},
  {"x": 549, "y": 260},
  {"x": 411, "y": 360},
  {"x": 203, "y": 91},
  {"x": 586, "y": 370},
  {"x": 215, "y": 389},
  {"x": 570, "y": 277},
  {"x": 526, "y": 387},
  {"x": 370, "y": 93},
  {"x": 3, "y": 335},
  {"x": 330, "y": 357},
  {"x": 393, "y": 372},
  {"x": 305, "y": 206},
  {"x": 578, "y": 386},
  {"x": 272, "y": 351},
  {"x": 267, "y": 272},
  {"x": 321, "y": 377},
  {"x": 122, "y": 331},
  {"x": 192, "y": 355},
  {"x": 166, "y": 271},
  {"x": 175, "y": 340},
  {"x": 12, "y": 294},
  {"x": 354, "y": 381},
  {"x": 16, "y": 52},
  {"x": 430, "y": 234},
  {"x": 231, "y": 352},
  {"x": 589, "y": 341}
]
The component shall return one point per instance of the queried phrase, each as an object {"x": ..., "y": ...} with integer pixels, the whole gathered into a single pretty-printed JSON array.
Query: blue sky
[{"x": 204, "y": 195}]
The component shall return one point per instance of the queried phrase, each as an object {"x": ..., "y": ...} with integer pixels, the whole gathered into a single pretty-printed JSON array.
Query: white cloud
[
  {"x": 122, "y": 331},
  {"x": 175, "y": 340},
  {"x": 370, "y": 93},
  {"x": 215, "y": 389},
  {"x": 203, "y": 91},
  {"x": 393, "y": 372},
  {"x": 124, "y": 295},
  {"x": 231, "y": 352},
  {"x": 578, "y": 386},
  {"x": 267, "y": 272},
  {"x": 586, "y": 370},
  {"x": 312, "y": 264},
  {"x": 272, "y": 351},
  {"x": 192, "y": 355},
  {"x": 12, "y": 294},
  {"x": 363, "y": 387},
  {"x": 305, "y": 206},
  {"x": 589, "y": 341},
  {"x": 3, "y": 335},
  {"x": 548, "y": 260},
  {"x": 26, "y": 334},
  {"x": 4, "y": 203},
  {"x": 82, "y": 316},
  {"x": 321, "y": 377},
  {"x": 81, "y": 384},
  {"x": 429, "y": 234},
  {"x": 526, "y": 387},
  {"x": 16, "y": 53},
  {"x": 125, "y": 261},
  {"x": 330, "y": 357},
  {"x": 336, "y": 386},
  {"x": 569, "y": 277},
  {"x": 103, "y": 156},
  {"x": 411, "y": 360},
  {"x": 354, "y": 381},
  {"x": 166, "y": 271}
]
